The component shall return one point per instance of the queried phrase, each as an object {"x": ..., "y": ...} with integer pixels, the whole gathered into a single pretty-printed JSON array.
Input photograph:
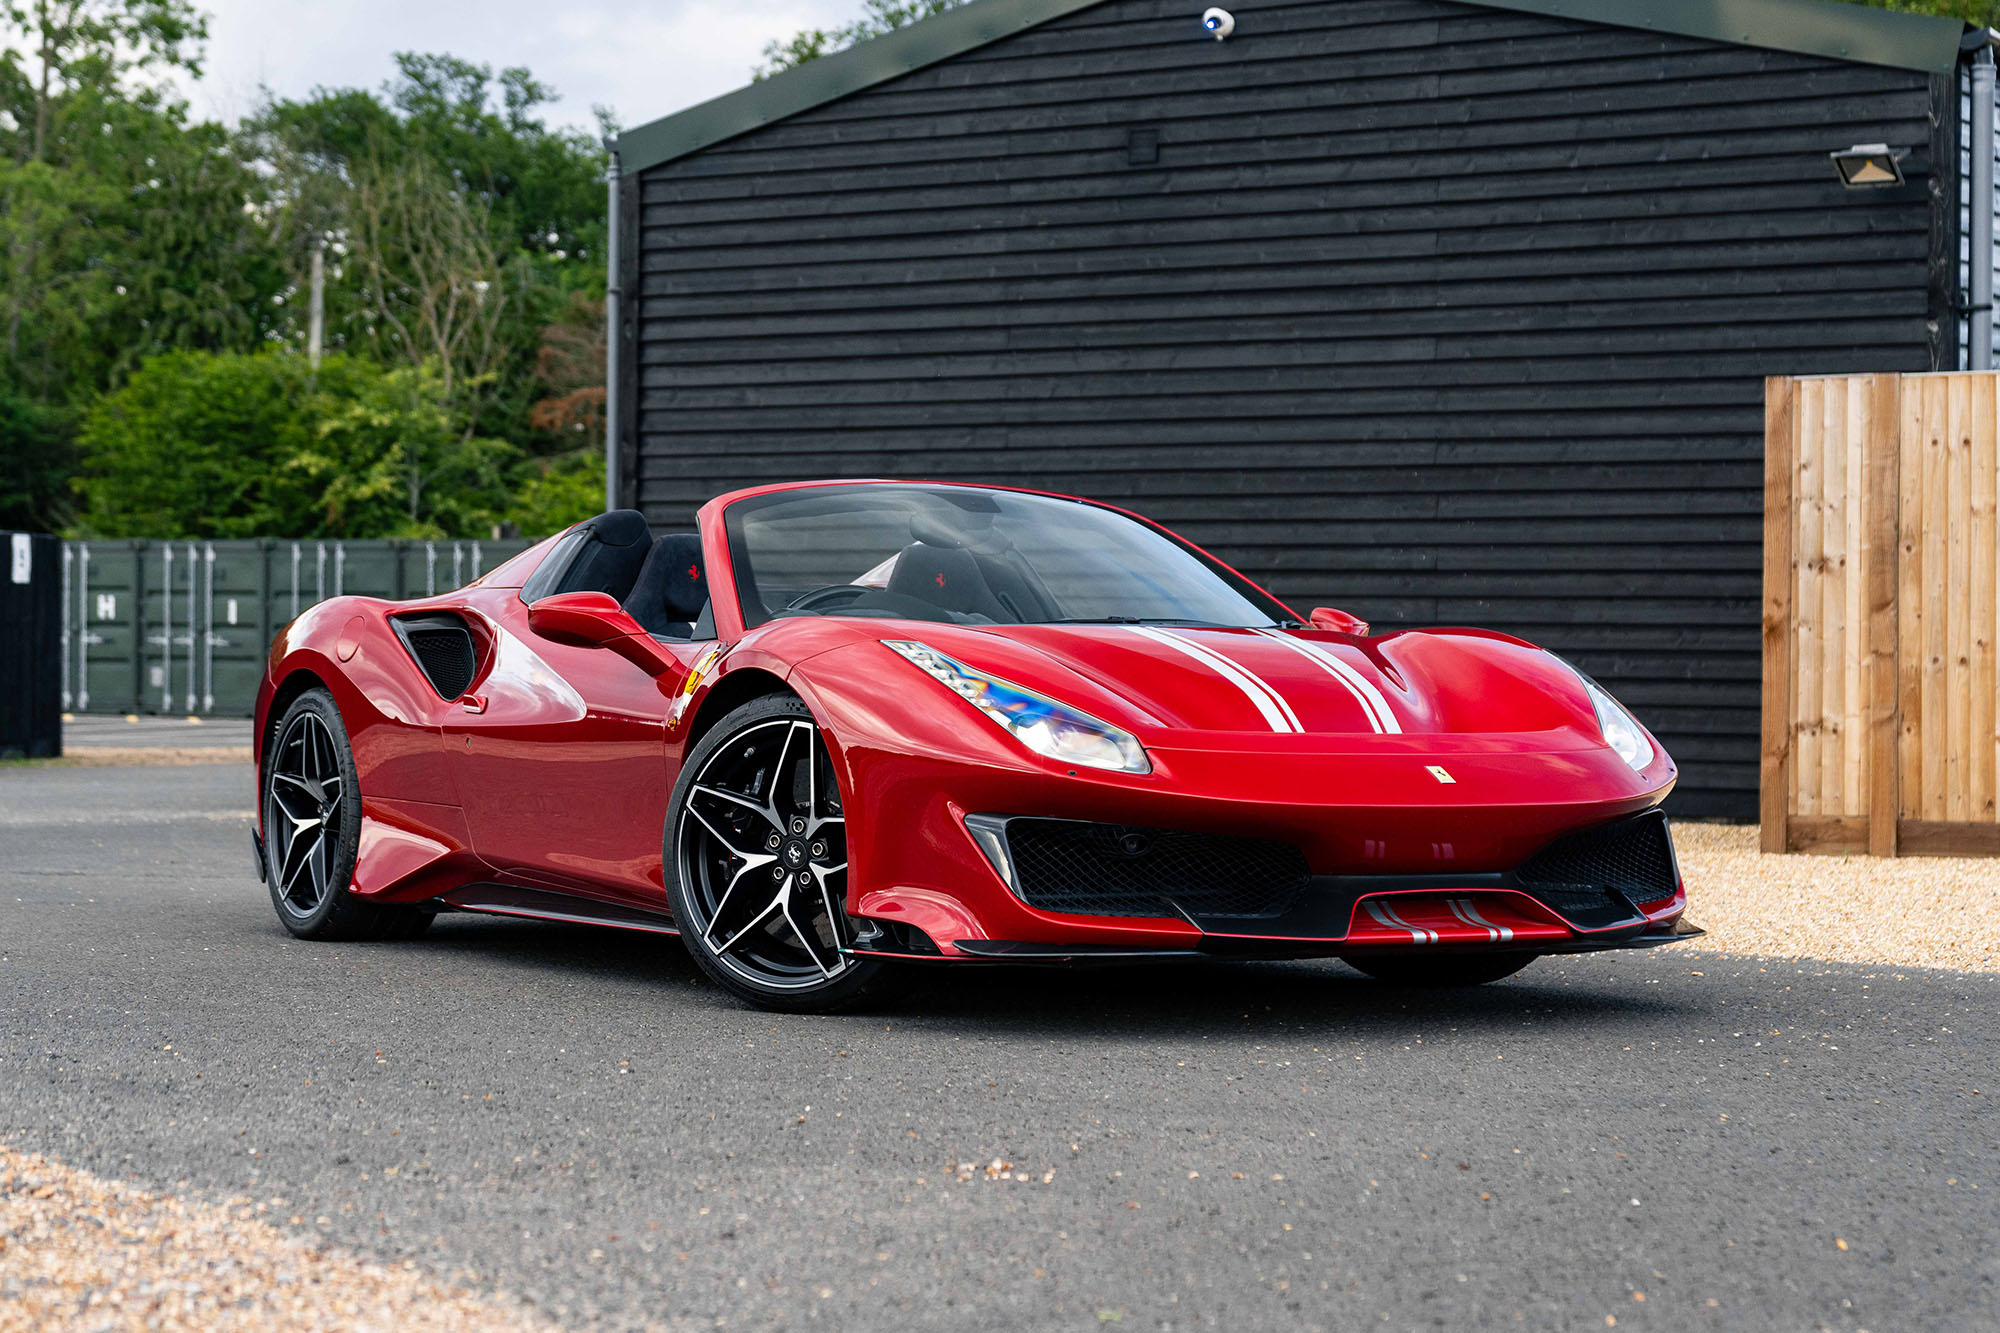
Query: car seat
[{"x": 671, "y": 591}]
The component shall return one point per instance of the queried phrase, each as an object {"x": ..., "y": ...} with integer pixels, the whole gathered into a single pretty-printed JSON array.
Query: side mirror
[
  {"x": 1340, "y": 622},
  {"x": 595, "y": 620},
  {"x": 589, "y": 619}
]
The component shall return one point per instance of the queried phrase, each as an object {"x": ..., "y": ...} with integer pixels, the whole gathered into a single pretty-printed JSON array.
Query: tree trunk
[{"x": 42, "y": 91}]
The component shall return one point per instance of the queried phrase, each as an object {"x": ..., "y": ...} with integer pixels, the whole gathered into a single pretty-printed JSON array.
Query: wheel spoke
[
  {"x": 812, "y": 775},
  {"x": 807, "y": 941},
  {"x": 769, "y": 813},
  {"x": 738, "y": 852},
  {"x": 750, "y": 863},
  {"x": 298, "y": 805},
  {"x": 826, "y": 900},
  {"x": 770, "y": 910},
  {"x": 322, "y": 866},
  {"x": 299, "y": 851},
  {"x": 780, "y": 773}
]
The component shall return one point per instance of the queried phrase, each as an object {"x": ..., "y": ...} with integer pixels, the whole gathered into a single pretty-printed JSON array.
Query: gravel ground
[
  {"x": 80, "y": 1252},
  {"x": 1909, "y": 912}
]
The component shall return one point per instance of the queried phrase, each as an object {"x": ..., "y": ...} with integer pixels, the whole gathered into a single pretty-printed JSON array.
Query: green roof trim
[{"x": 1831, "y": 28}]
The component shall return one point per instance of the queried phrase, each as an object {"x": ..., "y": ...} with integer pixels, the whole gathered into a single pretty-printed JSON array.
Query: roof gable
[{"x": 1830, "y": 28}]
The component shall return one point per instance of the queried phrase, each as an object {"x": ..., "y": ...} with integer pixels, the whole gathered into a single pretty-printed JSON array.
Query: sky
[{"x": 643, "y": 58}]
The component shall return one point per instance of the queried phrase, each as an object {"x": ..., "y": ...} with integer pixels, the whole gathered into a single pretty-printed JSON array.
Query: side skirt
[{"x": 542, "y": 905}]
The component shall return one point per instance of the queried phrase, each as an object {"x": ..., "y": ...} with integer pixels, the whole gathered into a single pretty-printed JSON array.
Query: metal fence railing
[{"x": 183, "y": 627}]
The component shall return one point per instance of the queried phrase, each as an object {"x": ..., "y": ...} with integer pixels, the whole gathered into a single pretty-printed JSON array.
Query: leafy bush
[
  {"x": 556, "y": 494},
  {"x": 241, "y": 445},
  {"x": 35, "y": 464}
]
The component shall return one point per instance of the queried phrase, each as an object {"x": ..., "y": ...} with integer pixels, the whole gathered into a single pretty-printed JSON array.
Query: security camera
[{"x": 1220, "y": 22}]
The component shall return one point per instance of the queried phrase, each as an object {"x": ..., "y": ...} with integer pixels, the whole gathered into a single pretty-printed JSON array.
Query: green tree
[
  {"x": 36, "y": 459},
  {"x": 877, "y": 17},
  {"x": 56, "y": 56},
  {"x": 447, "y": 152},
  {"x": 123, "y": 230},
  {"x": 391, "y": 458},
  {"x": 555, "y": 493},
  {"x": 200, "y": 446},
  {"x": 239, "y": 445}
]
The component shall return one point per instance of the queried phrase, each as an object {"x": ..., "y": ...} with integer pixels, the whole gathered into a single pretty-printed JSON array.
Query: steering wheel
[{"x": 831, "y": 597}]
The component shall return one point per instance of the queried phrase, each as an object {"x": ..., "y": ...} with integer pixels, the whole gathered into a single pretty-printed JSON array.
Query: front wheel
[
  {"x": 1442, "y": 971},
  {"x": 756, "y": 863}
]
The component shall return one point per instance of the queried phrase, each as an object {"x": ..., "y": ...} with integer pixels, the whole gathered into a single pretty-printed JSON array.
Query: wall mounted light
[{"x": 1868, "y": 166}]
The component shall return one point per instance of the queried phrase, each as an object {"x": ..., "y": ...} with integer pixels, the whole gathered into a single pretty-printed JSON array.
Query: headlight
[
  {"x": 1043, "y": 725},
  {"x": 1622, "y": 731}
]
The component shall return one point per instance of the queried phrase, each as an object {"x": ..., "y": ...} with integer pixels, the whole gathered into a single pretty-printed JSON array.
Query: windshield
[{"x": 973, "y": 557}]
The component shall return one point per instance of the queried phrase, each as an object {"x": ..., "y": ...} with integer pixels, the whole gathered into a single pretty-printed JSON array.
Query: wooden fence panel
[{"x": 1882, "y": 614}]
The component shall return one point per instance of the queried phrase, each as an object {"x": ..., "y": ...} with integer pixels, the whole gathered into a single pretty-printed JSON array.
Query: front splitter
[{"x": 1246, "y": 949}]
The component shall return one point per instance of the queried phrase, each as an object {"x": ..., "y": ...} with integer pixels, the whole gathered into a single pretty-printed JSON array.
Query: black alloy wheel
[
  {"x": 756, "y": 861},
  {"x": 312, "y": 831}
]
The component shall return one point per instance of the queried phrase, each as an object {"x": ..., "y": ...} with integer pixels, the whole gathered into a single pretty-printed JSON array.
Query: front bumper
[{"x": 1105, "y": 908}]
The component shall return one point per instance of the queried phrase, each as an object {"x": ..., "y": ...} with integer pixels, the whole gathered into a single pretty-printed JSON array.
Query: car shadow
[{"x": 1165, "y": 999}]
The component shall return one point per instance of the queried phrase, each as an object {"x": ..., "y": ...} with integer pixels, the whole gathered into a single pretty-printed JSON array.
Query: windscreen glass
[{"x": 973, "y": 557}]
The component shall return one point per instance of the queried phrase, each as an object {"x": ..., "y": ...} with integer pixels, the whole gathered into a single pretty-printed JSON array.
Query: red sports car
[{"x": 850, "y": 726}]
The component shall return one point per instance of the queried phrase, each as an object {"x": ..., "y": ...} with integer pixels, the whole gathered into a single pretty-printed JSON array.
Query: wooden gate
[{"x": 1880, "y": 607}]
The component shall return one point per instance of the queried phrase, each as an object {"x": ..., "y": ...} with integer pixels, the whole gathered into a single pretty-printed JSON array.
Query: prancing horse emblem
[{"x": 1442, "y": 776}]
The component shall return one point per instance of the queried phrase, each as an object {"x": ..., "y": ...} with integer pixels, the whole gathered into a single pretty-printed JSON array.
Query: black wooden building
[{"x": 1443, "y": 313}]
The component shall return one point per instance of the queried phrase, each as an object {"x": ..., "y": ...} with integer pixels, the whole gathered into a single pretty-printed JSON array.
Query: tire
[
  {"x": 312, "y": 830},
  {"x": 755, "y": 858},
  {"x": 1440, "y": 971}
]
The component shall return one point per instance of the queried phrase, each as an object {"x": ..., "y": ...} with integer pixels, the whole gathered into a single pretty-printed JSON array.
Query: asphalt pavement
[
  {"x": 83, "y": 732},
  {"x": 577, "y": 1116}
]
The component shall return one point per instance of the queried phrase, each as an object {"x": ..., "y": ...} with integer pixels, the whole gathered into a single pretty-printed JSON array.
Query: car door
[{"x": 560, "y": 759}]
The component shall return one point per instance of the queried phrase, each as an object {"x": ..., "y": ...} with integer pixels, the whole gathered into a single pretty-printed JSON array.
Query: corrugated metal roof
[{"x": 1810, "y": 27}]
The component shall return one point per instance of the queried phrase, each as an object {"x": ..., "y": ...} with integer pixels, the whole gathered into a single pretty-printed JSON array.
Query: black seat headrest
[
  {"x": 620, "y": 527},
  {"x": 947, "y": 577},
  {"x": 608, "y": 561},
  {"x": 672, "y": 588}
]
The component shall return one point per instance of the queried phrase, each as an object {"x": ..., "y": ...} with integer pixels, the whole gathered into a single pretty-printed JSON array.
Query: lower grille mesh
[
  {"x": 1069, "y": 866},
  {"x": 1633, "y": 856}
]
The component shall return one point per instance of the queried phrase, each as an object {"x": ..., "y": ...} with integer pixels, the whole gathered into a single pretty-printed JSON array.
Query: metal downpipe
[
  {"x": 612, "y": 295},
  {"x": 1980, "y": 333}
]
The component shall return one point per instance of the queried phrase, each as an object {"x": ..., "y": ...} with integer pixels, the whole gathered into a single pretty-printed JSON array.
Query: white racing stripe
[
  {"x": 1269, "y": 702},
  {"x": 1388, "y": 916},
  {"x": 1463, "y": 909},
  {"x": 1380, "y": 716}
]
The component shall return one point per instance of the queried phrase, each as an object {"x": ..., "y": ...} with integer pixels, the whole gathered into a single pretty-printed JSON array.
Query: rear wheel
[
  {"x": 1440, "y": 970},
  {"x": 312, "y": 831},
  {"x": 756, "y": 862}
]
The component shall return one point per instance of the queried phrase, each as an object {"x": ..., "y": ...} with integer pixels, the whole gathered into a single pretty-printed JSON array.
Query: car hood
[{"x": 1190, "y": 687}]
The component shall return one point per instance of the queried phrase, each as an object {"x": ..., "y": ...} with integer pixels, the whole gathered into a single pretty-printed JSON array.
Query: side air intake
[{"x": 442, "y": 648}]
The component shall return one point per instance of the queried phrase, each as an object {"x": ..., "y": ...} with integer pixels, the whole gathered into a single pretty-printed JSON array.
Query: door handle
[{"x": 473, "y": 703}]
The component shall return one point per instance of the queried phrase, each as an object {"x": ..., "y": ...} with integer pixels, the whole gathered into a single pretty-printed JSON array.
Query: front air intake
[
  {"x": 1633, "y": 856},
  {"x": 1068, "y": 866},
  {"x": 443, "y": 650}
]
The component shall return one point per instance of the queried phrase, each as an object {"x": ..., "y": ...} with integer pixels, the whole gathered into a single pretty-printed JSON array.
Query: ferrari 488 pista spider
[{"x": 851, "y": 726}]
